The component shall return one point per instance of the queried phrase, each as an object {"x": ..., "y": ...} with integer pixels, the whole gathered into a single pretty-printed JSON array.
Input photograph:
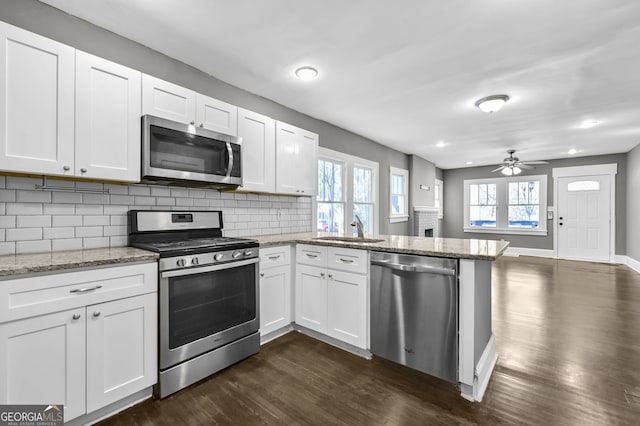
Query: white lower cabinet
[
  {"x": 85, "y": 357},
  {"x": 329, "y": 300},
  {"x": 275, "y": 288}
]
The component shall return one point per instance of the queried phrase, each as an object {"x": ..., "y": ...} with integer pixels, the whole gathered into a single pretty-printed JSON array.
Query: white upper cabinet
[
  {"x": 296, "y": 160},
  {"x": 108, "y": 106},
  {"x": 167, "y": 100},
  {"x": 216, "y": 115},
  {"x": 37, "y": 103},
  {"x": 258, "y": 151}
]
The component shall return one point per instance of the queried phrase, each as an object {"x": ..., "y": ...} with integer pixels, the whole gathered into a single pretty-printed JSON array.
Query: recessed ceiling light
[
  {"x": 573, "y": 151},
  {"x": 469, "y": 163},
  {"x": 492, "y": 103},
  {"x": 306, "y": 73},
  {"x": 440, "y": 144},
  {"x": 587, "y": 124}
]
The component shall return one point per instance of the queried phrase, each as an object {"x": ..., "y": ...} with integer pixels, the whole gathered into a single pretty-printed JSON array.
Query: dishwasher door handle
[{"x": 414, "y": 268}]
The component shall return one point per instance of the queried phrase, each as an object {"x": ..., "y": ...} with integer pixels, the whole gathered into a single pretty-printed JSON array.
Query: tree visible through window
[
  {"x": 330, "y": 196},
  {"x": 363, "y": 196},
  {"x": 524, "y": 204},
  {"x": 482, "y": 204}
]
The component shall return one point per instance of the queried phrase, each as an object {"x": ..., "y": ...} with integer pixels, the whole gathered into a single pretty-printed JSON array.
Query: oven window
[{"x": 204, "y": 304}]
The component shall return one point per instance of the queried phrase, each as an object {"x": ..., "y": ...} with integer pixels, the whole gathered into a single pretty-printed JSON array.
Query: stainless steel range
[{"x": 208, "y": 293}]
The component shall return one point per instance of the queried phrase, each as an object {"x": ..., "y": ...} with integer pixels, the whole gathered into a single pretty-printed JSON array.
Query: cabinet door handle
[
  {"x": 66, "y": 168},
  {"x": 84, "y": 290},
  {"x": 201, "y": 124},
  {"x": 83, "y": 170},
  {"x": 96, "y": 314},
  {"x": 274, "y": 257},
  {"x": 346, "y": 260},
  {"x": 331, "y": 276},
  {"x": 262, "y": 274},
  {"x": 76, "y": 316},
  {"x": 321, "y": 274},
  {"x": 312, "y": 256},
  {"x": 193, "y": 123}
]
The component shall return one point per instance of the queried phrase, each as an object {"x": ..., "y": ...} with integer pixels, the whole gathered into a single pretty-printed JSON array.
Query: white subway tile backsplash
[
  {"x": 23, "y": 208},
  {"x": 96, "y": 220},
  {"x": 33, "y": 220},
  {"x": 89, "y": 243},
  {"x": 89, "y": 231},
  {"x": 33, "y": 246},
  {"x": 24, "y": 234},
  {"x": 23, "y": 196},
  {"x": 66, "y": 221},
  {"x": 58, "y": 233},
  {"x": 67, "y": 244},
  {"x": 59, "y": 209},
  {"x": 66, "y": 197}
]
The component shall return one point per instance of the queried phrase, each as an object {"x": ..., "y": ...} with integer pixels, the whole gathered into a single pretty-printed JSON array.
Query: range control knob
[
  {"x": 218, "y": 256},
  {"x": 194, "y": 261},
  {"x": 236, "y": 254},
  {"x": 181, "y": 262},
  {"x": 248, "y": 253}
]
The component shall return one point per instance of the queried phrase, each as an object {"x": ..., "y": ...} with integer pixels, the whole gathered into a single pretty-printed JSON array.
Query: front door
[{"x": 584, "y": 218}]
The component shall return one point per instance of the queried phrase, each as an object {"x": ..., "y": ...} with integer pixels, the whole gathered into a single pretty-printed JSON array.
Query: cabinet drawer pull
[
  {"x": 84, "y": 290},
  {"x": 274, "y": 257},
  {"x": 96, "y": 314},
  {"x": 330, "y": 276},
  {"x": 76, "y": 316},
  {"x": 262, "y": 274},
  {"x": 312, "y": 256},
  {"x": 322, "y": 274},
  {"x": 346, "y": 260}
]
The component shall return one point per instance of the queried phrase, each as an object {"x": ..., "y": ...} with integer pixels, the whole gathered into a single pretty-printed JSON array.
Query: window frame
[
  {"x": 349, "y": 162},
  {"x": 399, "y": 217},
  {"x": 502, "y": 206},
  {"x": 438, "y": 196}
]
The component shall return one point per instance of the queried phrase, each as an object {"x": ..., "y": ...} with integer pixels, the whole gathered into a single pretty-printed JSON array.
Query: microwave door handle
[{"x": 230, "y": 157}]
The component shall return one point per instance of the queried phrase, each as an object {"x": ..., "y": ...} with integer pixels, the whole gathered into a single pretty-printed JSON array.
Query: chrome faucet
[{"x": 359, "y": 226}]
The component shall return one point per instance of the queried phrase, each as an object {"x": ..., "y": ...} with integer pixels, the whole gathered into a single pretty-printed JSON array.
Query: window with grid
[
  {"x": 347, "y": 186},
  {"x": 482, "y": 205},
  {"x": 363, "y": 196},
  {"x": 398, "y": 195},
  {"x": 438, "y": 198},
  {"x": 524, "y": 204},
  {"x": 331, "y": 204},
  {"x": 510, "y": 205}
]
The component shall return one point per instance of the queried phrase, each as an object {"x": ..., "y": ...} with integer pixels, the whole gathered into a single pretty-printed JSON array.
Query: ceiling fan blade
[
  {"x": 525, "y": 166},
  {"x": 498, "y": 169},
  {"x": 535, "y": 162}
]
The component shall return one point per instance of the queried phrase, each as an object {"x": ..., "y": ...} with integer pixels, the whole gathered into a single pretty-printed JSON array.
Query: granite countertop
[
  {"x": 440, "y": 247},
  {"x": 59, "y": 260}
]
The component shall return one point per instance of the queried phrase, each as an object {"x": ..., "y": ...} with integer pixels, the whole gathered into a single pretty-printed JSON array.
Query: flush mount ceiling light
[
  {"x": 306, "y": 73},
  {"x": 572, "y": 151},
  {"x": 440, "y": 144},
  {"x": 492, "y": 103},
  {"x": 587, "y": 124}
]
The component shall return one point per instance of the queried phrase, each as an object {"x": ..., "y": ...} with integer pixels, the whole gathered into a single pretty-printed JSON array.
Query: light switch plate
[{"x": 550, "y": 214}]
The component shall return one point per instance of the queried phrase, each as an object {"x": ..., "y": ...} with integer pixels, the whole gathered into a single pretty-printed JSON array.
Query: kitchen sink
[{"x": 349, "y": 239}]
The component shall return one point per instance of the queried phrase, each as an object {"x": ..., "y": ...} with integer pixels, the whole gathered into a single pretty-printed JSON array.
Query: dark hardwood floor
[{"x": 568, "y": 337}]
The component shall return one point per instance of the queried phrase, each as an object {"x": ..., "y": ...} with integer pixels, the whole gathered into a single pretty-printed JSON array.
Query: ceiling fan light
[
  {"x": 517, "y": 170},
  {"x": 492, "y": 103},
  {"x": 507, "y": 171}
]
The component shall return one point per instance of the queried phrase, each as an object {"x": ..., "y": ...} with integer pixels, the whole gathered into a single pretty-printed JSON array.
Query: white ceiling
[{"x": 406, "y": 73}]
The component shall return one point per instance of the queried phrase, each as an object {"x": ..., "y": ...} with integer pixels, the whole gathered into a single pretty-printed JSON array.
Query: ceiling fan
[{"x": 513, "y": 166}]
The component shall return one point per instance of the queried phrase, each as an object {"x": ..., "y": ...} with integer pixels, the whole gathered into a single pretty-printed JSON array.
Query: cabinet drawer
[
  {"x": 348, "y": 260},
  {"x": 45, "y": 293},
  {"x": 271, "y": 257},
  {"x": 307, "y": 254}
]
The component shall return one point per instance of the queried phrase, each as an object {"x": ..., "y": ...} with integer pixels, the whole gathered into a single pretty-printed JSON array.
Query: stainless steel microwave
[{"x": 182, "y": 154}]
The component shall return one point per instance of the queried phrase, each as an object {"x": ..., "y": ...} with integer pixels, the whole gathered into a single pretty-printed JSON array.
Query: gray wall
[
  {"x": 454, "y": 210},
  {"x": 633, "y": 203},
  {"x": 57, "y": 25}
]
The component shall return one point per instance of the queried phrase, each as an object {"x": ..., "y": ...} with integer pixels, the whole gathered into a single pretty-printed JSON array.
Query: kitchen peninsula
[{"x": 339, "y": 254}]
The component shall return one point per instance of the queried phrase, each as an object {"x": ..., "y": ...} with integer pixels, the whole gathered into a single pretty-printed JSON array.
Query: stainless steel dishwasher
[{"x": 414, "y": 312}]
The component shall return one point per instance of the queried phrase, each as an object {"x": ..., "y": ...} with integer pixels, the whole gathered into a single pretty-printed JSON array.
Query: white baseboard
[
  {"x": 523, "y": 251},
  {"x": 629, "y": 261},
  {"x": 484, "y": 369}
]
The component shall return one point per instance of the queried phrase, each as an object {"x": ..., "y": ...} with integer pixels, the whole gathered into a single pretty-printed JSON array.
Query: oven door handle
[{"x": 203, "y": 269}]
